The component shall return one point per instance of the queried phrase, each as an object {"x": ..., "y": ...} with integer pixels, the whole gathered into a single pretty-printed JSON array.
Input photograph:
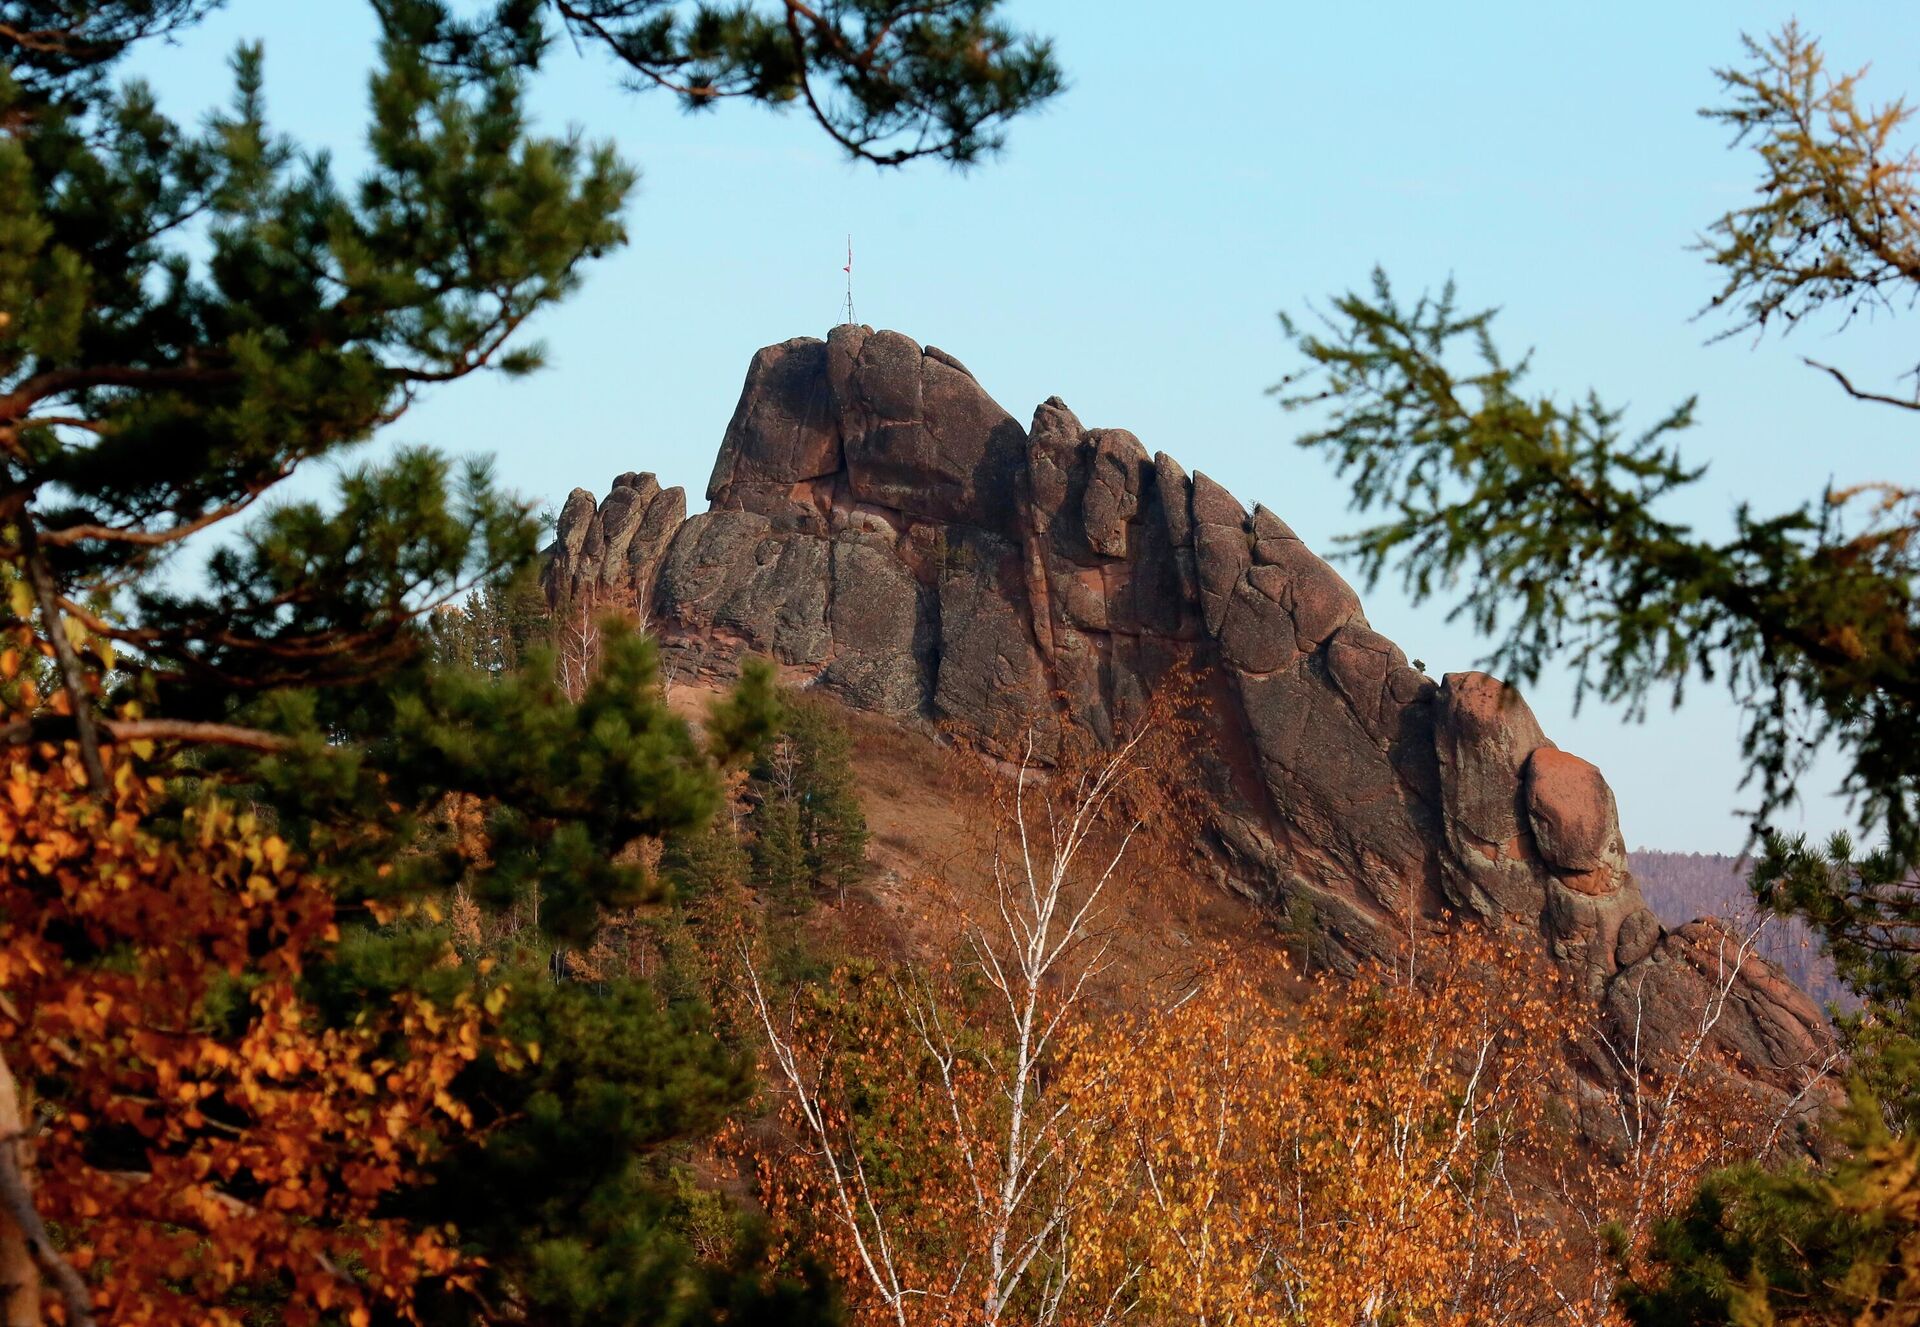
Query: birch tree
[{"x": 985, "y": 1230}]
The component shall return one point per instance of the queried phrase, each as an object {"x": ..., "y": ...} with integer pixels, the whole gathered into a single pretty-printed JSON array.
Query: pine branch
[{"x": 63, "y": 728}]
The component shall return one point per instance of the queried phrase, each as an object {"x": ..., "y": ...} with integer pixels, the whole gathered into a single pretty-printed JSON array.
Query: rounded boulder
[{"x": 1571, "y": 809}]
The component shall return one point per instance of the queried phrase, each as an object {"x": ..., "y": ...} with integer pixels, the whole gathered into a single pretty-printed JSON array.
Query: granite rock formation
[{"x": 887, "y": 532}]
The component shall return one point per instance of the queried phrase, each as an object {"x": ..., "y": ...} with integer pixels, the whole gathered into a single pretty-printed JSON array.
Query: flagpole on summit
[{"x": 848, "y": 269}]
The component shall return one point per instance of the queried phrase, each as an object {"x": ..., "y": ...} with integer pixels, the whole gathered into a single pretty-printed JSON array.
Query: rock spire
[{"x": 887, "y": 532}]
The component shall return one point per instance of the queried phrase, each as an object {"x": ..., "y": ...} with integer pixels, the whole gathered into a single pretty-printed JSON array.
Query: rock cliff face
[{"x": 883, "y": 528}]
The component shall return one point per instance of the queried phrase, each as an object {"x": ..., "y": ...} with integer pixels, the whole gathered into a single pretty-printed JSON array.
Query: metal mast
[{"x": 848, "y": 269}]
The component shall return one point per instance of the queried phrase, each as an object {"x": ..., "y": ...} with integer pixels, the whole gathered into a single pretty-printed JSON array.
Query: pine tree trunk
[{"x": 19, "y": 1278}]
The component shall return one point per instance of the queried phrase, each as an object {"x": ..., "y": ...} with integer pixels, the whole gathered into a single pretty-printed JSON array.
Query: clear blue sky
[{"x": 1131, "y": 248}]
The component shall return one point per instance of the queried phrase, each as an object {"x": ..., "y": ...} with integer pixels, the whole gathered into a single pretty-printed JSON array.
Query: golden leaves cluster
[
  {"x": 1409, "y": 1143},
  {"x": 1345, "y": 1160},
  {"x": 202, "y": 1136}
]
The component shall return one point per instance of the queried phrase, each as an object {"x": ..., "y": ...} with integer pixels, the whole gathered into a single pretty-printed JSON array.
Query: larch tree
[
  {"x": 1548, "y": 523},
  {"x": 188, "y": 317}
]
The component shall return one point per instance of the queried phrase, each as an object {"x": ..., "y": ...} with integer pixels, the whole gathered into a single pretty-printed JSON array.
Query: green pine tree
[
  {"x": 706, "y": 865},
  {"x": 779, "y": 852},
  {"x": 494, "y": 628},
  {"x": 1832, "y": 1248},
  {"x": 832, "y": 825},
  {"x": 189, "y": 316},
  {"x": 809, "y": 833}
]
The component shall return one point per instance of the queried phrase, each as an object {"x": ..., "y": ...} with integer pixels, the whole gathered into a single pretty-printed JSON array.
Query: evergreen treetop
[{"x": 189, "y": 316}]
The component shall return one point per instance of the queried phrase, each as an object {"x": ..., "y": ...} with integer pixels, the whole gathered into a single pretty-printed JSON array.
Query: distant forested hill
[{"x": 1680, "y": 886}]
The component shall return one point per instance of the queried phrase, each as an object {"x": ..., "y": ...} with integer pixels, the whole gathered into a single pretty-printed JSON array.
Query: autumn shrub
[
  {"x": 1345, "y": 1160},
  {"x": 1402, "y": 1144},
  {"x": 208, "y": 1144}
]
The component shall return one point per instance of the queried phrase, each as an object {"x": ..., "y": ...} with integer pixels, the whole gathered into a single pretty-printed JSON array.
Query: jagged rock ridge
[{"x": 886, "y": 531}]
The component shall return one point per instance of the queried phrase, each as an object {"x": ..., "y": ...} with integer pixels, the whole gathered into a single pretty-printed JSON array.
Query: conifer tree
[
  {"x": 1833, "y": 1248},
  {"x": 495, "y": 628},
  {"x": 188, "y": 316},
  {"x": 705, "y": 863},
  {"x": 1548, "y": 523},
  {"x": 832, "y": 825},
  {"x": 808, "y": 830},
  {"x": 779, "y": 852},
  {"x": 889, "y": 81}
]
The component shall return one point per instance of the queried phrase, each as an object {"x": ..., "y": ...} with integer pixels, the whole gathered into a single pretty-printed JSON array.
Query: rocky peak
[
  {"x": 887, "y": 532},
  {"x": 609, "y": 552}
]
